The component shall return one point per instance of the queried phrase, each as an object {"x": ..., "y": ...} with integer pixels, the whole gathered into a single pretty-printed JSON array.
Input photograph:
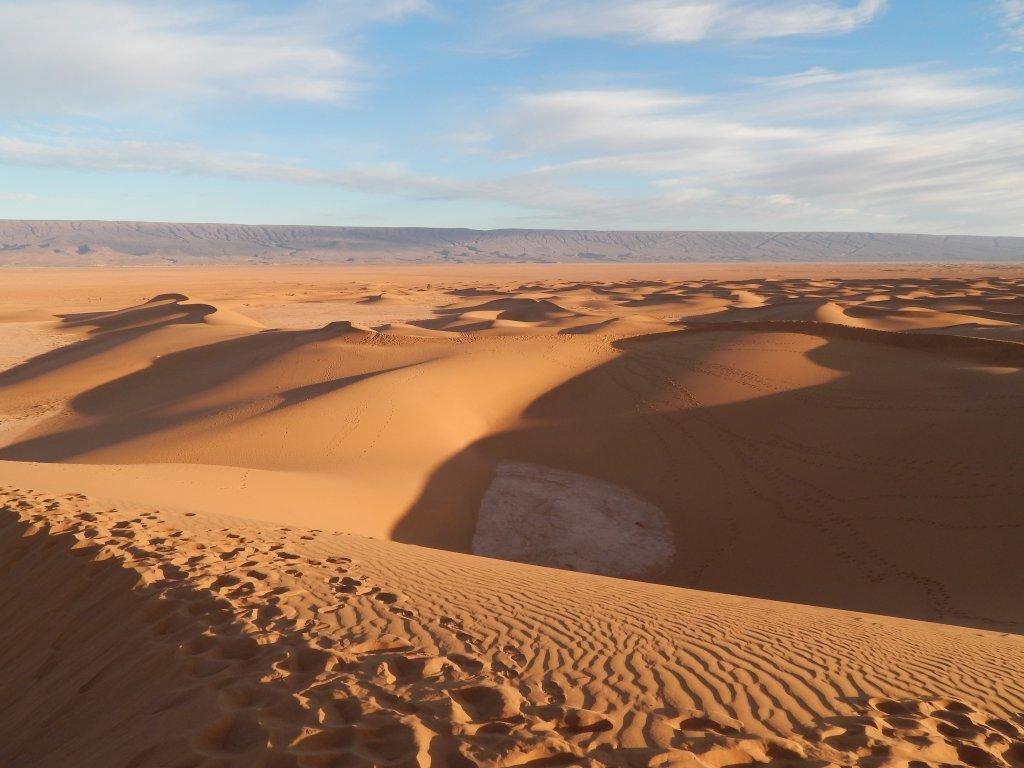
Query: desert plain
[{"x": 636, "y": 515}]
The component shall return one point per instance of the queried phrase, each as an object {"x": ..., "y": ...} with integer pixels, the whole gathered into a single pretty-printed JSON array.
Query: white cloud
[
  {"x": 884, "y": 92},
  {"x": 93, "y": 56},
  {"x": 891, "y": 150},
  {"x": 1013, "y": 17},
  {"x": 17, "y": 197},
  {"x": 624, "y": 119},
  {"x": 688, "y": 21},
  {"x": 150, "y": 157},
  {"x": 919, "y": 150}
]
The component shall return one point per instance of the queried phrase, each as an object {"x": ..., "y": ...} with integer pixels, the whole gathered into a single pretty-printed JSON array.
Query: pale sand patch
[
  {"x": 14, "y": 425},
  {"x": 544, "y": 516},
  {"x": 23, "y": 341}
]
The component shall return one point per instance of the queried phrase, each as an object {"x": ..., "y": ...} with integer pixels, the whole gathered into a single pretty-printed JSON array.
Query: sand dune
[
  {"x": 734, "y": 429},
  {"x": 212, "y": 641},
  {"x": 230, "y": 541},
  {"x": 511, "y": 312}
]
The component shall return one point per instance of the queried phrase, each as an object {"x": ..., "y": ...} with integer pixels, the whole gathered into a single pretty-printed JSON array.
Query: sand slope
[{"x": 211, "y": 641}]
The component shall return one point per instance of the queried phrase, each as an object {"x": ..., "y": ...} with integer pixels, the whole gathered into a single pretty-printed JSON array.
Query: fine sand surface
[{"x": 240, "y": 507}]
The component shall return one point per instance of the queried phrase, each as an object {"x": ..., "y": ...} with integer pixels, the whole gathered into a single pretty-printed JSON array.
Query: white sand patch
[{"x": 534, "y": 514}]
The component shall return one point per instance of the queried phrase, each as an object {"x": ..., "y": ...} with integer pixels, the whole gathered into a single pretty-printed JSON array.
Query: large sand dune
[
  {"x": 146, "y": 638},
  {"x": 78, "y": 243},
  {"x": 240, "y": 509}
]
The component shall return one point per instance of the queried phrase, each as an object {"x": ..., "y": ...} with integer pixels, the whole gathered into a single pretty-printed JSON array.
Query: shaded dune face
[
  {"x": 826, "y": 441},
  {"x": 853, "y": 490},
  {"x": 89, "y": 677}
]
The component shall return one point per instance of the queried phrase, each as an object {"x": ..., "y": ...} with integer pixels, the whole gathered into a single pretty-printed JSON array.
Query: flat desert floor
[{"x": 664, "y": 516}]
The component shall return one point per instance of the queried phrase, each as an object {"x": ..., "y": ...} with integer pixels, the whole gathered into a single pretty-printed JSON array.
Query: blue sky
[{"x": 898, "y": 115}]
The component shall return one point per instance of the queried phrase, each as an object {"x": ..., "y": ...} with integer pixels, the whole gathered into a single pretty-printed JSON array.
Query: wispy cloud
[
  {"x": 898, "y": 150},
  {"x": 526, "y": 192},
  {"x": 935, "y": 151},
  {"x": 689, "y": 21},
  {"x": 1012, "y": 12},
  {"x": 17, "y": 197},
  {"x": 89, "y": 56},
  {"x": 881, "y": 93},
  {"x": 920, "y": 148}
]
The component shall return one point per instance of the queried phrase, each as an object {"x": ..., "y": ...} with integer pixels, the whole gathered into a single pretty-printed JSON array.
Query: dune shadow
[
  {"x": 298, "y": 395},
  {"x": 95, "y": 669},
  {"x": 69, "y": 443},
  {"x": 981, "y": 350},
  {"x": 813, "y": 493},
  {"x": 182, "y": 375},
  {"x": 108, "y": 330},
  {"x": 136, "y": 404}
]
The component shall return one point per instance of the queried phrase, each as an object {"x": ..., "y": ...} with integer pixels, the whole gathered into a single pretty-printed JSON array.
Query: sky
[{"x": 854, "y": 115}]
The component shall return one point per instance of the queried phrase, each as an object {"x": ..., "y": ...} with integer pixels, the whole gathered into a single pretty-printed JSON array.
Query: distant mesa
[{"x": 112, "y": 243}]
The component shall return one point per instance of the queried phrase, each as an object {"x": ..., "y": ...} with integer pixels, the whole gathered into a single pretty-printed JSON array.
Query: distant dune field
[{"x": 585, "y": 514}]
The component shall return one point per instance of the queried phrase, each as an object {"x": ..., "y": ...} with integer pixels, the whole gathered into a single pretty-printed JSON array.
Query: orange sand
[{"x": 213, "y": 477}]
